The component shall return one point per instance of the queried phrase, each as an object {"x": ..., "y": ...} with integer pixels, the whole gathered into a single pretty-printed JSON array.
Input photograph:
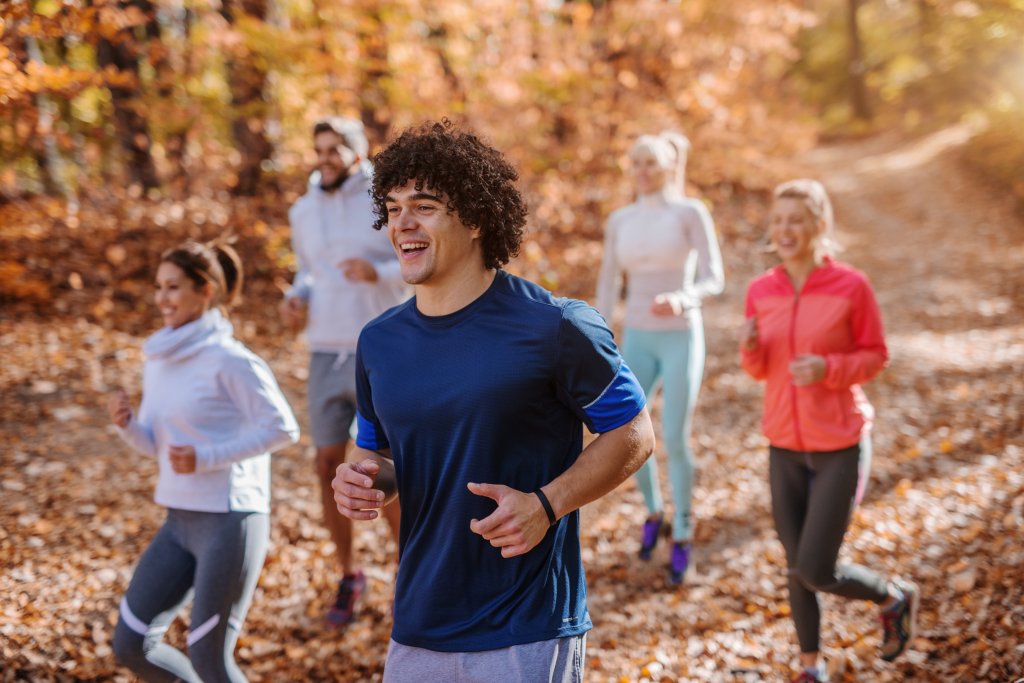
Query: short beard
[{"x": 338, "y": 182}]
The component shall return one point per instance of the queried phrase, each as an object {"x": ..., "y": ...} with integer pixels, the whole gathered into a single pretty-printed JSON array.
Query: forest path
[{"x": 945, "y": 504}]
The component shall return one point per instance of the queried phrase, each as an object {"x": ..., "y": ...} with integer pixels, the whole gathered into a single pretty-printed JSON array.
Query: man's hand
[
  {"x": 119, "y": 409},
  {"x": 518, "y": 524},
  {"x": 183, "y": 459},
  {"x": 748, "y": 334},
  {"x": 808, "y": 369},
  {"x": 293, "y": 313},
  {"x": 358, "y": 270},
  {"x": 353, "y": 489}
]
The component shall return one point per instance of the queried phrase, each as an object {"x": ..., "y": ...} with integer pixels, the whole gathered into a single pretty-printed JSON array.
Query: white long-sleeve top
[
  {"x": 327, "y": 228},
  {"x": 664, "y": 245},
  {"x": 203, "y": 388}
]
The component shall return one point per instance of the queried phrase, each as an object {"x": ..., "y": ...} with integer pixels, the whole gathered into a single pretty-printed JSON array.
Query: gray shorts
[
  {"x": 546, "y": 661},
  {"x": 332, "y": 397}
]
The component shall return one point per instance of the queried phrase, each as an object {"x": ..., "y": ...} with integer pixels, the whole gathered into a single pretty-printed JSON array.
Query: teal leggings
[{"x": 676, "y": 358}]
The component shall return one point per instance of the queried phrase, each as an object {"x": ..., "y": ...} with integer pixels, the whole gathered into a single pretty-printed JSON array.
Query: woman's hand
[
  {"x": 808, "y": 369},
  {"x": 748, "y": 334},
  {"x": 183, "y": 459},
  {"x": 119, "y": 409},
  {"x": 665, "y": 305}
]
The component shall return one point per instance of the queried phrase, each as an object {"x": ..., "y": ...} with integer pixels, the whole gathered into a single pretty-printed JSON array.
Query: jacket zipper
[{"x": 792, "y": 355}]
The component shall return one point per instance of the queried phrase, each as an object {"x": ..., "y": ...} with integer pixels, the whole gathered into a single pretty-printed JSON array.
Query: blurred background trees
[{"x": 178, "y": 102}]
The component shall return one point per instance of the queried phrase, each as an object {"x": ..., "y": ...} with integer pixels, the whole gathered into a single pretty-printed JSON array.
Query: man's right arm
[
  {"x": 302, "y": 283},
  {"x": 366, "y": 484}
]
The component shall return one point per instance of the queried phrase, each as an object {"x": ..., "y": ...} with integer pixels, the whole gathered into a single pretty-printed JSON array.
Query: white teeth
[{"x": 409, "y": 246}]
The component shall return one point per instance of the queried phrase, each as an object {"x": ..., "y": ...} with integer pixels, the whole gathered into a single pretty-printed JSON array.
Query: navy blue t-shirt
[{"x": 494, "y": 393}]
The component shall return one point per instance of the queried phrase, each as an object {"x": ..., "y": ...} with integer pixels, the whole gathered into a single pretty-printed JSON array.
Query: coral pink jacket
[{"x": 835, "y": 315}]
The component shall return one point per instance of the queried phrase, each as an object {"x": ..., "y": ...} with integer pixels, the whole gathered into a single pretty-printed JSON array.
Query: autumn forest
[{"x": 127, "y": 126}]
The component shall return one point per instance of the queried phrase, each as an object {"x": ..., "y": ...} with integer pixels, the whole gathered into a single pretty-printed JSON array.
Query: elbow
[{"x": 645, "y": 441}]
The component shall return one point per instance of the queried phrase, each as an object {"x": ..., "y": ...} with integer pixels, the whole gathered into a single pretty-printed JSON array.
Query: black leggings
[{"x": 813, "y": 498}]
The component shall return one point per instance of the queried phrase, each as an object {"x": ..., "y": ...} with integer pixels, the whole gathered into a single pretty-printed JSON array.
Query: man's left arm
[
  {"x": 521, "y": 521},
  {"x": 593, "y": 381}
]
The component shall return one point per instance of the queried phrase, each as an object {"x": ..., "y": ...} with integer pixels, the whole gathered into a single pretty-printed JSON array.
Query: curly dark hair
[{"x": 477, "y": 180}]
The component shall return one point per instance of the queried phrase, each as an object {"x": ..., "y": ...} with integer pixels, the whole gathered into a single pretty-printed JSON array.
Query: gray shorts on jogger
[
  {"x": 332, "y": 397},
  {"x": 546, "y": 661}
]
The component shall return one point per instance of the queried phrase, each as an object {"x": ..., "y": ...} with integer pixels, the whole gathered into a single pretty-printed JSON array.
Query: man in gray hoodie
[{"x": 347, "y": 275}]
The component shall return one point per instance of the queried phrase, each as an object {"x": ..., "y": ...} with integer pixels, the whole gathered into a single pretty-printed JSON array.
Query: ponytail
[
  {"x": 215, "y": 263},
  {"x": 231, "y": 267},
  {"x": 671, "y": 150},
  {"x": 681, "y": 145}
]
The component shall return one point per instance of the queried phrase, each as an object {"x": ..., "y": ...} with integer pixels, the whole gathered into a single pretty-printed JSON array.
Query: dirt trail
[
  {"x": 946, "y": 502},
  {"x": 946, "y": 496}
]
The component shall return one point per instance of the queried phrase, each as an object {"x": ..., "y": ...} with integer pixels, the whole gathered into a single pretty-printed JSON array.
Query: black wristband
[{"x": 546, "y": 504}]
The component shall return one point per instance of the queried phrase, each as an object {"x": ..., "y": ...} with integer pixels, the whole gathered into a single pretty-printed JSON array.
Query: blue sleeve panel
[
  {"x": 621, "y": 402},
  {"x": 369, "y": 434},
  {"x": 593, "y": 380}
]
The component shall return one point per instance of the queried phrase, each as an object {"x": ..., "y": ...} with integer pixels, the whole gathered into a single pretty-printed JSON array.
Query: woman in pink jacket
[{"x": 813, "y": 332}]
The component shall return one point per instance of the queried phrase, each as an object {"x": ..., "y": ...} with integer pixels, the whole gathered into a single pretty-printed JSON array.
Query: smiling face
[
  {"x": 434, "y": 247},
  {"x": 649, "y": 175},
  {"x": 334, "y": 160},
  {"x": 179, "y": 299},
  {"x": 794, "y": 231}
]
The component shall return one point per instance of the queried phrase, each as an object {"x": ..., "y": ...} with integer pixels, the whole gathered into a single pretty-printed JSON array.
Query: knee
[
  {"x": 815, "y": 576},
  {"x": 677, "y": 448}
]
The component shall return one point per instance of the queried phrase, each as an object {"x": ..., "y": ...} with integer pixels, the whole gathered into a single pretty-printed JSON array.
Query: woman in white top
[
  {"x": 211, "y": 413},
  {"x": 664, "y": 244}
]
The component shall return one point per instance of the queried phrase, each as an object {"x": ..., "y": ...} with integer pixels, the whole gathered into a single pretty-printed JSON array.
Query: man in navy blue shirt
[{"x": 471, "y": 399}]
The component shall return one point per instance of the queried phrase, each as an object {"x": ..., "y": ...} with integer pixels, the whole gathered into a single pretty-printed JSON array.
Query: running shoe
[
  {"x": 808, "y": 676},
  {"x": 350, "y": 589},
  {"x": 678, "y": 563},
  {"x": 652, "y": 531},
  {"x": 899, "y": 622}
]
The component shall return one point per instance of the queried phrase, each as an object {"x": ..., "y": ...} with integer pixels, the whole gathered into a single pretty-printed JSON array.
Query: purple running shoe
[
  {"x": 652, "y": 530},
  {"x": 678, "y": 563}
]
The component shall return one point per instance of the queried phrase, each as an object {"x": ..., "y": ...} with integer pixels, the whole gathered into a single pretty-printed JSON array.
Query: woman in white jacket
[
  {"x": 665, "y": 245},
  {"x": 211, "y": 413}
]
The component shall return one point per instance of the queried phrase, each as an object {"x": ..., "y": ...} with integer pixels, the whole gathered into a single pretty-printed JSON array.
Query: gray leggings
[
  {"x": 813, "y": 497},
  {"x": 215, "y": 557}
]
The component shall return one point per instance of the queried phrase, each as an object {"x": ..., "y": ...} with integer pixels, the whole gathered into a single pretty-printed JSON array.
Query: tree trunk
[
  {"x": 858, "y": 89},
  {"x": 437, "y": 38},
  {"x": 48, "y": 158},
  {"x": 927, "y": 23},
  {"x": 248, "y": 79},
  {"x": 132, "y": 126},
  {"x": 171, "y": 69},
  {"x": 374, "y": 105}
]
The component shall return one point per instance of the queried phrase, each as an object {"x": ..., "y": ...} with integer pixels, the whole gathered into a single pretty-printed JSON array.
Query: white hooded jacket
[
  {"x": 327, "y": 228},
  {"x": 203, "y": 388}
]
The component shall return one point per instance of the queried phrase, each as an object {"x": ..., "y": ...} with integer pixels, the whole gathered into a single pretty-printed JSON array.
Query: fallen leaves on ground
[{"x": 945, "y": 505}]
